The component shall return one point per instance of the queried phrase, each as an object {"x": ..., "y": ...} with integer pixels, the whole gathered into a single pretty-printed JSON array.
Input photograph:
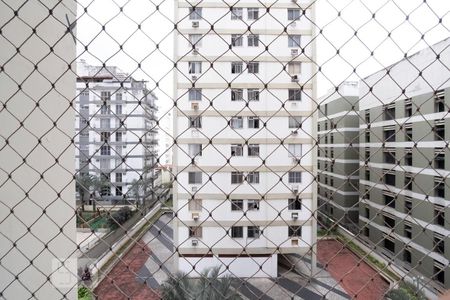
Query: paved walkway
[{"x": 358, "y": 279}]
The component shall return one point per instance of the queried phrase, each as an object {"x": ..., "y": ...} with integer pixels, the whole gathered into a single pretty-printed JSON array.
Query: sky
[{"x": 386, "y": 31}]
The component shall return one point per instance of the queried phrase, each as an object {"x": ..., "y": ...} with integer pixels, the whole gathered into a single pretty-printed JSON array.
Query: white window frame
[
  {"x": 253, "y": 177},
  {"x": 253, "y": 232},
  {"x": 293, "y": 14},
  {"x": 295, "y": 177},
  {"x": 195, "y": 121},
  {"x": 195, "y": 150},
  {"x": 237, "y": 13},
  {"x": 237, "y": 177},
  {"x": 237, "y": 149},
  {"x": 237, "y": 40},
  {"x": 294, "y": 40},
  {"x": 195, "y": 67},
  {"x": 252, "y": 13},
  {"x": 253, "y": 204},
  {"x": 294, "y": 68},
  {"x": 237, "y": 205},
  {"x": 195, "y": 40},
  {"x": 195, "y": 13},
  {"x": 237, "y": 67},
  {"x": 253, "y": 67},
  {"x": 253, "y": 40},
  {"x": 195, "y": 177},
  {"x": 294, "y": 121},
  {"x": 294, "y": 95},
  {"x": 195, "y": 94},
  {"x": 237, "y": 94},
  {"x": 195, "y": 204},
  {"x": 253, "y": 122},
  {"x": 237, "y": 122},
  {"x": 253, "y": 94},
  {"x": 295, "y": 150},
  {"x": 252, "y": 149}
]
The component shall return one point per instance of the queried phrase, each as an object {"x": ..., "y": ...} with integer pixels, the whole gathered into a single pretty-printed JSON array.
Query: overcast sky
[{"x": 338, "y": 33}]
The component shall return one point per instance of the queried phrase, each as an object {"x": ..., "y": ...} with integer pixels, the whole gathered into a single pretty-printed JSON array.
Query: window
[
  {"x": 195, "y": 177},
  {"x": 195, "y": 231},
  {"x": 237, "y": 205},
  {"x": 407, "y": 255},
  {"x": 389, "y": 221},
  {"x": 253, "y": 94},
  {"x": 294, "y": 231},
  {"x": 253, "y": 150},
  {"x": 195, "y": 13},
  {"x": 389, "y": 133},
  {"x": 253, "y": 232},
  {"x": 293, "y": 14},
  {"x": 389, "y": 155},
  {"x": 195, "y": 94},
  {"x": 407, "y": 230},
  {"x": 367, "y": 135},
  {"x": 119, "y": 136},
  {"x": 252, "y": 13},
  {"x": 367, "y": 174},
  {"x": 195, "y": 67},
  {"x": 236, "y": 40},
  {"x": 439, "y": 243},
  {"x": 118, "y": 109},
  {"x": 237, "y": 122},
  {"x": 105, "y": 164},
  {"x": 408, "y": 157},
  {"x": 439, "y": 131},
  {"x": 237, "y": 94},
  {"x": 253, "y": 122},
  {"x": 104, "y": 136},
  {"x": 295, "y": 177},
  {"x": 105, "y": 109},
  {"x": 367, "y": 113},
  {"x": 195, "y": 150},
  {"x": 295, "y": 95},
  {"x": 367, "y": 212},
  {"x": 195, "y": 204},
  {"x": 389, "y": 177},
  {"x": 389, "y": 199},
  {"x": 253, "y": 40},
  {"x": 408, "y": 181},
  {"x": 105, "y": 96},
  {"x": 408, "y": 205},
  {"x": 236, "y": 67},
  {"x": 389, "y": 245},
  {"x": 119, "y": 97},
  {"x": 237, "y": 150},
  {"x": 366, "y": 231},
  {"x": 119, "y": 191},
  {"x": 195, "y": 121},
  {"x": 367, "y": 153},
  {"x": 439, "y": 272},
  {"x": 294, "y": 204},
  {"x": 389, "y": 112},
  {"x": 253, "y": 205},
  {"x": 237, "y": 231},
  {"x": 237, "y": 177},
  {"x": 294, "y": 41},
  {"x": 408, "y": 108},
  {"x": 236, "y": 13},
  {"x": 439, "y": 104},
  {"x": 105, "y": 123},
  {"x": 439, "y": 159},
  {"x": 295, "y": 122},
  {"x": 294, "y": 68},
  {"x": 439, "y": 215},
  {"x": 295, "y": 150},
  {"x": 408, "y": 133},
  {"x": 439, "y": 187},
  {"x": 253, "y": 67},
  {"x": 253, "y": 177},
  {"x": 105, "y": 150},
  {"x": 195, "y": 40}
]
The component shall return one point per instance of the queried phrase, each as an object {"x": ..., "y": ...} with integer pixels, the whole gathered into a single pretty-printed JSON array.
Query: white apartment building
[
  {"x": 244, "y": 131},
  {"x": 116, "y": 131}
]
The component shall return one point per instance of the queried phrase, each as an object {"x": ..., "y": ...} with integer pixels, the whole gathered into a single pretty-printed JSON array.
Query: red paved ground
[
  {"x": 121, "y": 282},
  {"x": 360, "y": 282}
]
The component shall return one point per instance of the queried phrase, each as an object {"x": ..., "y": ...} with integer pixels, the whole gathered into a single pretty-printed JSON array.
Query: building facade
[
  {"x": 338, "y": 155},
  {"x": 116, "y": 133},
  {"x": 243, "y": 124},
  {"x": 405, "y": 163}
]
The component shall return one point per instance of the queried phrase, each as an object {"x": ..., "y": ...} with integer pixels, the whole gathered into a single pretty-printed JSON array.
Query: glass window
[
  {"x": 195, "y": 150},
  {"x": 195, "y": 122},
  {"x": 253, "y": 67},
  {"x": 105, "y": 150},
  {"x": 295, "y": 177},
  {"x": 195, "y": 177},
  {"x": 195, "y": 67},
  {"x": 195, "y": 94},
  {"x": 104, "y": 136},
  {"x": 119, "y": 136},
  {"x": 237, "y": 150},
  {"x": 236, "y": 13},
  {"x": 195, "y": 204},
  {"x": 253, "y": 94},
  {"x": 253, "y": 150},
  {"x": 253, "y": 122},
  {"x": 237, "y": 231},
  {"x": 236, "y": 67},
  {"x": 293, "y": 14},
  {"x": 295, "y": 94},
  {"x": 237, "y": 177},
  {"x": 195, "y": 13},
  {"x": 295, "y": 122},
  {"x": 295, "y": 150},
  {"x": 236, "y": 40},
  {"x": 237, "y": 122},
  {"x": 105, "y": 109},
  {"x": 118, "y": 109},
  {"x": 294, "y": 231},
  {"x": 237, "y": 94},
  {"x": 439, "y": 101},
  {"x": 252, "y": 13},
  {"x": 253, "y": 177},
  {"x": 294, "y": 204},
  {"x": 253, "y": 204},
  {"x": 294, "y": 40},
  {"x": 253, "y": 232},
  {"x": 105, "y": 96},
  {"x": 294, "y": 68},
  {"x": 253, "y": 40},
  {"x": 195, "y": 39},
  {"x": 195, "y": 231},
  {"x": 237, "y": 205}
]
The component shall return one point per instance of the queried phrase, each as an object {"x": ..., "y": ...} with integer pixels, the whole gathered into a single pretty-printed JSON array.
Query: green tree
[
  {"x": 99, "y": 183},
  {"x": 84, "y": 184},
  {"x": 208, "y": 287}
]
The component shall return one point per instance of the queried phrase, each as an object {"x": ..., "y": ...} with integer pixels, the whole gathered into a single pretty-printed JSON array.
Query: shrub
[
  {"x": 119, "y": 217},
  {"x": 84, "y": 293}
]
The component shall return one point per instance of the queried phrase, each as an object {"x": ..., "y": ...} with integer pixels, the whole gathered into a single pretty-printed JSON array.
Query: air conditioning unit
[
  {"x": 194, "y": 242},
  {"x": 195, "y": 51},
  {"x": 294, "y": 78},
  {"x": 294, "y": 241},
  {"x": 296, "y": 160},
  {"x": 194, "y": 78},
  {"x": 195, "y": 24},
  {"x": 294, "y": 189},
  {"x": 194, "y": 105},
  {"x": 294, "y": 24},
  {"x": 294, "y": 132},
  {"x": 294, "y": 52},
  {"x": 294, "y": 215},
  {"x": 195, "y": 216},
  {"x": 194, "y": 189}
]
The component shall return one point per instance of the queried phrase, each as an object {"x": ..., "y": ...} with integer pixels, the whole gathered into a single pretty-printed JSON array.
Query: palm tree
[{"x": 208, "y": 287}]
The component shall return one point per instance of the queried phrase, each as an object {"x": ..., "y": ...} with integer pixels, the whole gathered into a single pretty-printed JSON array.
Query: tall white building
[
  {"x": 243, "y": 126},
  {"x": 116, "y": 130}
]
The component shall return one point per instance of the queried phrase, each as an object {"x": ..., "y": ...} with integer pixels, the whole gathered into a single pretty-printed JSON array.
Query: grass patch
[
  {"x": 100, "y": 222},
  {"x": 84, "y": 293}
]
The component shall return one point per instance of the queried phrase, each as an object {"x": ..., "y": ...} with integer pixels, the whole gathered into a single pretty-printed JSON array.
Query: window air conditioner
[
  {"x": 294, "y": 241},
  {"x": 194, "y": 189},
  {"x": 195, "y": 51},
  {"x": 294, "y": 215},
  {"x": 294, "y": 78},
  {"x": 294, "y": 132},
  {"x": 194, "y": 105},
  {"x": 195, "y": 216},
  {"x": 294, "y": 52},
  {"x": 194, "y": 242},
  {"x": 294, "y": 189},
  {"x": 296, "y": 160},
  {"x": 195, "y": 24},
  {"x": 194, "y": 78}
]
